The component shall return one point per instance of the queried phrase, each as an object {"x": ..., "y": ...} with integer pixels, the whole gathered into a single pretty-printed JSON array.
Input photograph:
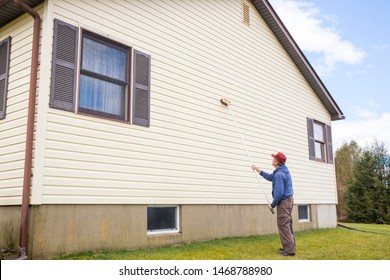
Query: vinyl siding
[
  {"x": 200, "y": 52},
  {"x": 13, "y": 127}
]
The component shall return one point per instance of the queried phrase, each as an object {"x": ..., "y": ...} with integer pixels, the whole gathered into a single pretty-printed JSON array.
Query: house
[{"x": 128, "y": 145}]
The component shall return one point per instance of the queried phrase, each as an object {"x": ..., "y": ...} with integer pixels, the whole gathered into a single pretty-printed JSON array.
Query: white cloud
[
  {"x": 373, "y": 103},
  {"x": 355, "y": 73},
  {"x": 382, "y": 47},
  {"x": 364, "y": 113},
  {"x": 363, "y": 131},
  {"x": 315, "y": 32}
]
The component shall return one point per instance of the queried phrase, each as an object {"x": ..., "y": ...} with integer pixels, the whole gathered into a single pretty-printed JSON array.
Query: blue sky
[{"x": 348, "y": 44}]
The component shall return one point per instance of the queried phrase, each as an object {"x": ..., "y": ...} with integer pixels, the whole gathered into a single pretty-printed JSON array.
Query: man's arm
[{"x": 278, "y": 189}]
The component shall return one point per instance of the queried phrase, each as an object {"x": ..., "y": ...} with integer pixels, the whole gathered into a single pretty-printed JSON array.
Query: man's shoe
[
  {"x": 281, "y": 249},
  {"x": 285, "y": 254}
]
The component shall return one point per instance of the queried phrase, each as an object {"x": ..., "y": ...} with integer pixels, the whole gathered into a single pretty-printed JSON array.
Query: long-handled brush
[{"x": 228, "y": 104}]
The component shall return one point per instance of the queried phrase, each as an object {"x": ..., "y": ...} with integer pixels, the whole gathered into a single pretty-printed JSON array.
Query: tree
[
  {"x": 345, "y": 158},
  {"x": 368, "y": 194}
]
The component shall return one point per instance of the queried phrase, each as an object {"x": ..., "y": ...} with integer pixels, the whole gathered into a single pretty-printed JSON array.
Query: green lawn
[{"x": 325, "y": 244}]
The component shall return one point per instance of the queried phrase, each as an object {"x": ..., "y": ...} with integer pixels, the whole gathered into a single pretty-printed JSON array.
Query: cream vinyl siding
[
  {"x": 13, "y": 127},
  {"x": 200, "y": 52}
]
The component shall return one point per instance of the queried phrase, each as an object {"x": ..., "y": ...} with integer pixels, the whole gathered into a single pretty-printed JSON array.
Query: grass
[{"x": 327, "y": 244}]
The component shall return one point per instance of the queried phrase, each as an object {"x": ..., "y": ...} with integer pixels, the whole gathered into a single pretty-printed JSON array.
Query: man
[{"x": 282, "y": 193}]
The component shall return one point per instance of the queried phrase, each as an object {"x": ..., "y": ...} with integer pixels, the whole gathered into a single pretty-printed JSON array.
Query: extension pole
[{"x": 227, "y": 103}]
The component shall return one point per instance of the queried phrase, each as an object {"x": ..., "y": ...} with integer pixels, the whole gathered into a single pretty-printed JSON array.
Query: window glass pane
[
  {"x": 303, "y": 212},
  {"x": 160, "y": 218},
  {"x": 101, "y": 96},
  {"x": 319, "y": 132},
  {"x": 103, "y": 59},
  {"x": 319, "y": 150}
]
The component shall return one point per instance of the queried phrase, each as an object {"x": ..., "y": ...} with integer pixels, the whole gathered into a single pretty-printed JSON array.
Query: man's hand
[
  {"x": 255, "y": 168},
  {"x": 270, "y": 208}
]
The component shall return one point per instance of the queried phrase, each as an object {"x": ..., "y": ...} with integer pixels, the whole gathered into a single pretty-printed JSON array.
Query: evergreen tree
[
  {"x": 368, "y": 194},
  {"x": 345, "y": 158}
]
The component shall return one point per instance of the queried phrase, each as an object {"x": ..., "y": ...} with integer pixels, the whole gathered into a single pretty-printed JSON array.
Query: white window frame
[{"x": 166, "y": 231}]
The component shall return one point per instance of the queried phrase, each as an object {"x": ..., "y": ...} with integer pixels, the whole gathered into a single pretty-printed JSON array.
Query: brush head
[{"x": 225, "y": 101}]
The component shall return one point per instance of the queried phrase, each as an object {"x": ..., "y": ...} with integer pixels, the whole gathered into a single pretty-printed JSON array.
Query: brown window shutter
[
  {"x": 141, "y": 89},
  {"x": 5, "y": 47},
  {"x": 311, "y": 140},
  {"x": 329, "y": 143},
  {"x": 64, "y": 66}
]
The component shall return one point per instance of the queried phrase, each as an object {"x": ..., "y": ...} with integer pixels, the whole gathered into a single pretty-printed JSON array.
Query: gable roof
[{"x": 10, "y": 11}]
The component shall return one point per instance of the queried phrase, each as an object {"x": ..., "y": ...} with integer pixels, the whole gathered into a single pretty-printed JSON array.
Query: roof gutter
[{"x": 30, "y": 129}]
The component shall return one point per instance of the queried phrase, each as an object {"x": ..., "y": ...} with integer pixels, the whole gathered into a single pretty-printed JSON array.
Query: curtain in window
[
  {"x": 103, "y": 78},
  {"x": 98, "y": 95}
]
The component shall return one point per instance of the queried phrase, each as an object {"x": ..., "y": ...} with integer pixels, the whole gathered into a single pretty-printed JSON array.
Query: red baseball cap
[{"x": 280, "y": 157}]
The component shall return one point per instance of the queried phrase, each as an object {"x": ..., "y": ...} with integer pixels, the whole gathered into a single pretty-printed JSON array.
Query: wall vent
[{"x": 245, "y": 13}]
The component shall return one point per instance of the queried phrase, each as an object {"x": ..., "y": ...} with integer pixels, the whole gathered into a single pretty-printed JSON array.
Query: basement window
[
  {"x": 163, "y": 219},
  {"x": 303, "y": 213}
]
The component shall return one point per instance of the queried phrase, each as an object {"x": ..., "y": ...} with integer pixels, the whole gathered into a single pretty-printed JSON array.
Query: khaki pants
[{"x": 285, "y": 225}]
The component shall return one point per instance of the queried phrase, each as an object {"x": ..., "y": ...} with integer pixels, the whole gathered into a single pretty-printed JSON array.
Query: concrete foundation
[{"x": 56, "y": 230}]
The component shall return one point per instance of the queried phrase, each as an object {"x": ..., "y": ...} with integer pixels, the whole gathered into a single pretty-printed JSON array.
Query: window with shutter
[
  {"x": 5, "y": 47},
  {"x": 141, "y": 94},
  {"x": 320, "y": 141},
  {"x": 64, "y": 72},
  {"x": 103, "y": 76}
]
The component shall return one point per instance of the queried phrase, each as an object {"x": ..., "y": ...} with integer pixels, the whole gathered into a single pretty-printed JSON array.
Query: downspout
[{"x": 30, "y": 129}]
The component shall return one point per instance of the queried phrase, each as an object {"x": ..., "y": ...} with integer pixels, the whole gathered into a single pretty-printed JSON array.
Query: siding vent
[{"x": 245, "y": 13}]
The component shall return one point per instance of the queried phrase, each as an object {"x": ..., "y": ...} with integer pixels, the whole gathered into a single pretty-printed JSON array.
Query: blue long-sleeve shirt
[{"x": 281, "y": 184}]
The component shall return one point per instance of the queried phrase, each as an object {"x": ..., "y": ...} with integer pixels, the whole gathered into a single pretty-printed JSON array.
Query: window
[
  {"x": 320, "y": 141},
  {"x": 163, "y": 219},
  {"x": 5, "y": 47},
  {"x": 303, "y": 213},
  {"x": 104, "y": 83},
  {"x": 103, "y": 78}
]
